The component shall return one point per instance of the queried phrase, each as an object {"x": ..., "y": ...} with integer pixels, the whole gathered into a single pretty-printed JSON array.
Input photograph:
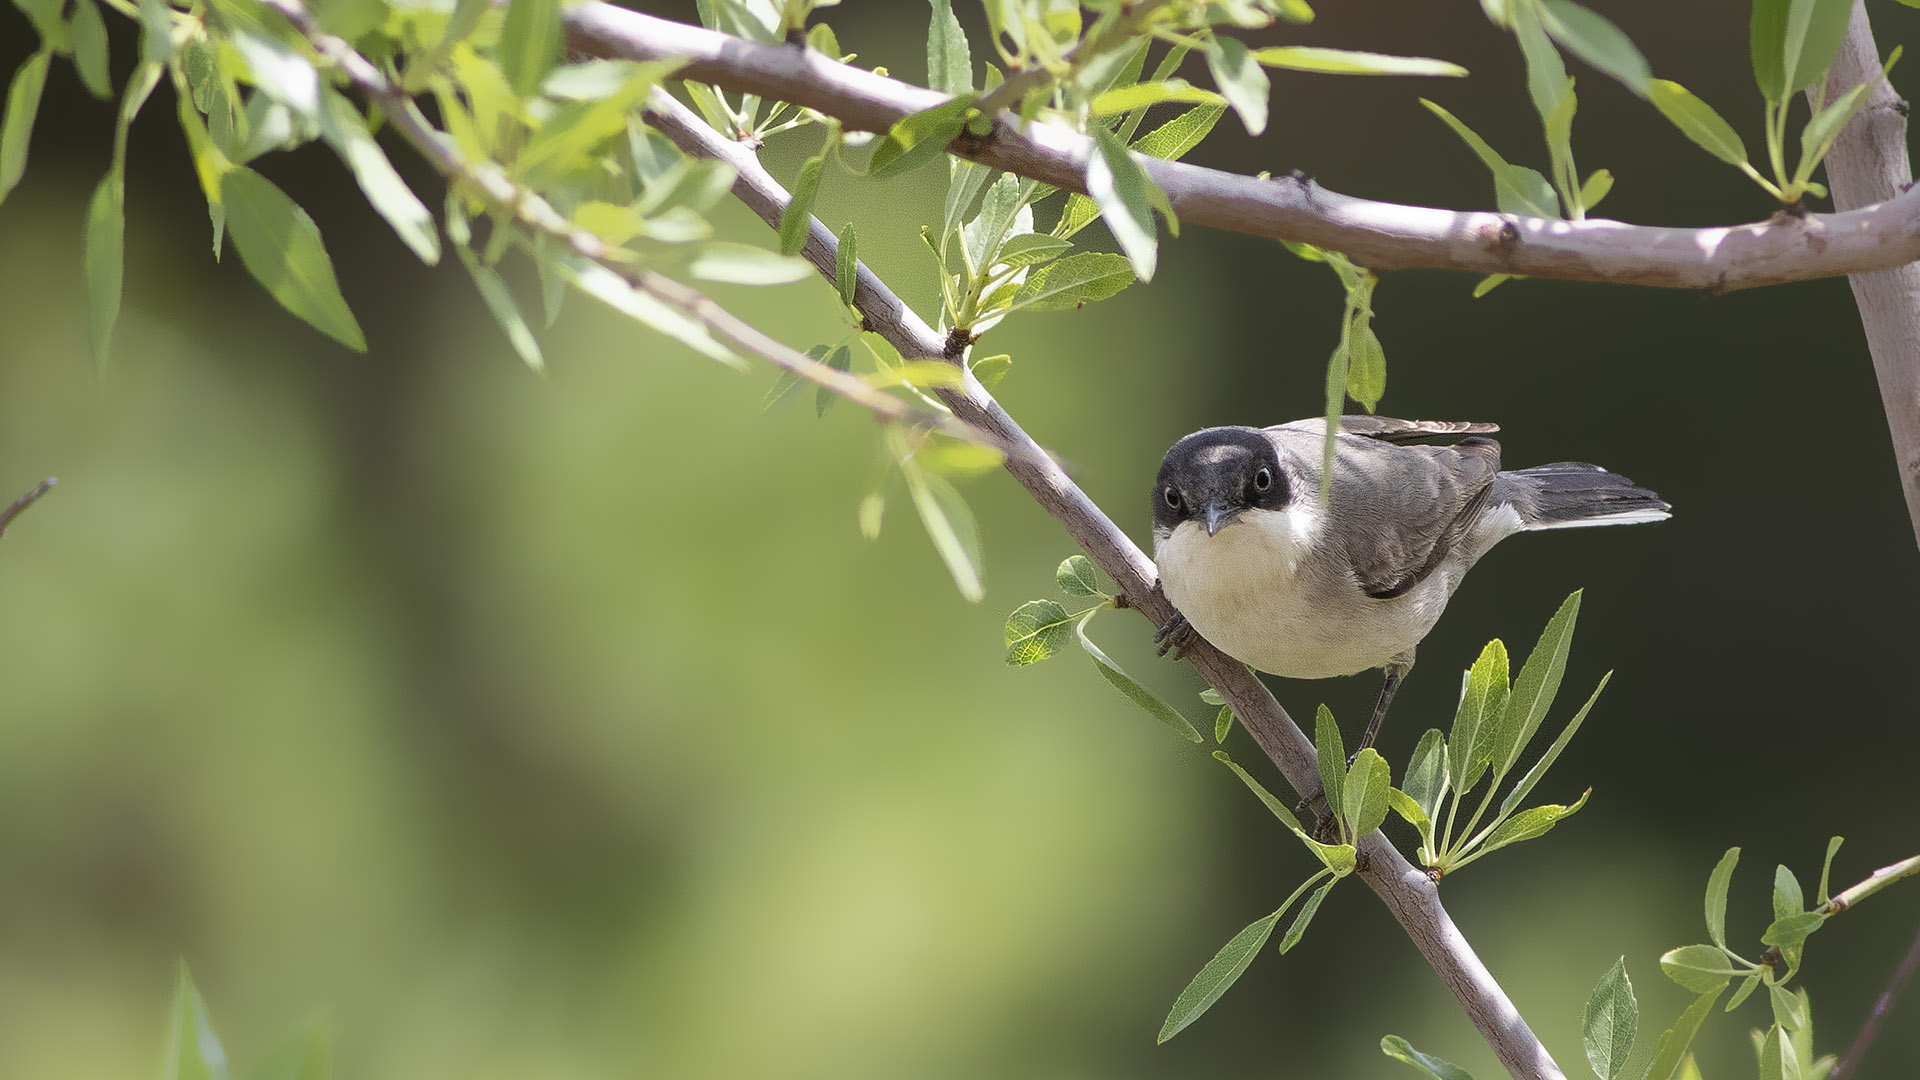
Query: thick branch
[
  {"x": 1384, "y": 236},
  {"x": 1869, "y": 164},
  {"x": 1406, "y": 890}
]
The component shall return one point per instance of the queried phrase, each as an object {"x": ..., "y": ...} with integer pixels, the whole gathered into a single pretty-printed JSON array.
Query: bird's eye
[
  {"x": 1173, "y": 499},
  {"x": 1263, "y": 479}
]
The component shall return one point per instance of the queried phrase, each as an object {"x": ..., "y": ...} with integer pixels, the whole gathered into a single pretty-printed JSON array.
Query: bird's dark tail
[{"x": 1572, "y": 494}]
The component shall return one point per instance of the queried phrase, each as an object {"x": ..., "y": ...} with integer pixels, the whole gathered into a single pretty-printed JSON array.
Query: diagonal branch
[
  {"x": 1382, "y": 236},
  {"x": 1406, "y": 890},
  {"x": 24, "y": 501}
]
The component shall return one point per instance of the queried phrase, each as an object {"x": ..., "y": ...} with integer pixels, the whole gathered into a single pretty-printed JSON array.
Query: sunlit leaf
[
  {"x": 951, "y": 526},
  {"x": 1530, "y": 824},
  {"x": 1142, "y": 95},
  {"x": 193, "y": 1050},
  {"x": 1076, "y": 577},
  {"x": 1127, "y": 197},
  {"x": 88, "y": 36},
  {"x": 745, "y": 264},
  {"x": 1218, "y": 975},
  {"x": 1612, "y": 1018},
  {"x": 1517, "y": 189},
  {"x": 1697, "y": 121},
  {"x": 1700, "y": 968},
  {"x": 1439, "y": 1068},
  {"x": 1594, "y": 38},
  {"x": 650, "y": 311},
  {"x": 1241, "y": 80},
  {"x": 1037, "y": 630},
  {"x": 388, "y": 194},
  {"x": 1671, "y": 1050},
  {"x": 1075, "y": 280},
  {"x": 529, "y": 43},
  {"x": 846, "y": 265},
  {"x": 1304, "y": 918},
  {"x": 1716, "y": 903},
  {"x": 917, "y": 139},
  {"x": 1139, "y": 695},
  {"x": 1348, "y": 62},
  {"x": 23, "y": 103},
  {"x": 949, "y": 63},
  {"x": 281, "y": 247}
]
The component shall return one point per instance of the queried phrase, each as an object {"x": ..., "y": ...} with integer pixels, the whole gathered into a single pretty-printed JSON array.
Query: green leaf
[
  {"x": 1223, "y": 724},
  {"x": 1274, "y": 805},
  {"x": 1530, "y": 824},
  {"x": 506, "y": 312},
  {"x": 567, "y": 138},
  {"x": 1171, "y": 140},
  {"x": 1477, "y": 721},
  {"x": 1746, "y": 987},
  {"x": 1516, "y": 189},
  {"x": 1241, "y": 80},
  {"x": 1331, "y": 754},
  {"x": 1364, "y": 792},
  {"x": 388, "y": 194},
  {"x": 1826, "y": 866},
  {"x": 1076, "y": 577},
  {"x": 1790, "y": 930},
  {"x": 999, "y": 209},
  {"x": 1491, "y": 282},
  {"x": 1700, "y": 968},
  {"x": 1127, "y": 197},
  {"x": 156, "y": 31},
  {"x": 23, "y": 103},
  {"x": 88, "y": 36},
  {"x": 1786, "y": 1008},
  {"x": 991, "y": 369},
  {"x": 1537, "y": 684},
  {"x": 846, "y": 265},
  {"x": 951, "y": 526},
  {"x": 644, "y": 308},
  {"x": 917, "y": 139},
  {"x": 1717, "y": 883},
  {"x": 1439, "y": 1068},
  {"x": 1031, "y": 249},
  {"x": 1611, "y": 1020},
  {"x": 1143, "y": 95},
  {"x": 798, "y": 214},
  {"x": 1546, "y": 72},
  {"x": 1298, "y": 929},
  {"x": 949, "y": 63},
  {"x": 1767, "y": 41},
  {"x": 1811, "y": 34},
  {"x": 1366, "y": 366},
  {"x": 1672, "y": 1048},
  {"x": 281, "y": 247},
  {"x": 1427, "y": 773},
  {"x": 1777, "y": 1061},
  {"x": 841, "y": 359},
  {"x": 1221, "y": 972},
  {"x": 529, "y": 43},
  {"x": 1036, "y": 631},
  {"x": 282, "y": 72},
  {"x": 788, "y": 384},
  {"x": 1697, "y": 121},
  {"x": 1595, "y": 39},
  {"x": 307, "y": 1055},
  {"x": 1824, "y": 127},
  {"x": 1348, "y": 62},
  {"x": 745, "y": 264},
  {"x": 1599, "y": 182},
  {"x": 104, "y": 259},
  {"x": 1409, "y": 811},
  {"x": 1075, "y": 280},
  {"x": 1787, "y": 897},
  {"x": 1139, "y": 695},
  {"x": 193, "y": 1050},
  {"x": 1539, "y": 770}
]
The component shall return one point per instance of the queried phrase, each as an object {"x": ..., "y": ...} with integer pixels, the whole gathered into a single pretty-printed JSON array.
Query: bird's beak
[{"x": 1218, "y": 514}]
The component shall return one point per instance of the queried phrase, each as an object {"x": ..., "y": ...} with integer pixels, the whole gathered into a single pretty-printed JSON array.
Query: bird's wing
[
  {"x": 1388, "y": 429},
  {"x": 1399, "y": 510}
]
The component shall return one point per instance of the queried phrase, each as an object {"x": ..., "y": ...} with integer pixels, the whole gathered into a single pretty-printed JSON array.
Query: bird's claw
[{"x": 1177, "y": 635}]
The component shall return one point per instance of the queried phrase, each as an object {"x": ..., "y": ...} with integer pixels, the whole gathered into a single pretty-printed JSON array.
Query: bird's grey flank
[{"x": 1258, "y": 565}]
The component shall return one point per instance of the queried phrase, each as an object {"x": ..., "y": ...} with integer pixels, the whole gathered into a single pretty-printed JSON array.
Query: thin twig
[
  {"x": 1019, "y": 84},
  {"x": 1407, "y": 891},
  {"x": 24, "y": 501},
  {"x": 1858, "y": 1049},
  {"x": 1382, "y": 236},
  {"x": 537, "y": 213}
]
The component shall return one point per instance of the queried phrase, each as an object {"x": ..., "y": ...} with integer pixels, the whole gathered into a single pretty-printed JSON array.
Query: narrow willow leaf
[
  {"x": 1517, "y": 189},
  {"x": 999, "y": 207},
  {"x": 951, "y": 526},
  {"x": 1717, "y": 883},
  {"x": 88, "y": 36},
  {"x": 821, "y": 38},
  {"x": 1674, "y": 1042},
  {"x": 193, "y": 1050},
  {"x": 156, "y": 31},
  {"x": 1790, "y": 930},
  {"x": 1304, "y": 918},
  {"x": 1491, "y": 282},
  {"x": 1364, "y": 792},
  {"x": 386, "y": 192},
  {"x": 798, "y": 214},
  {"x": 1031, "y": 249},
  {"x": 529, "y": 43},
  {"x": 1439, "y": 1068},
  {"x": 1746, "y": 987},
  {"x": 23, "y": 104},
  {"x": 1241, "y": 80},
  {"x": 1776, "y": 1056},
  {"x": 1697, "y": 121},
  {"x": 872, "y": 511},
  {"x": 1598, "y": 183},
  {"x": 499, "y": 301},
  {"x": 949, "y": 62},
  {"x": 1221, "y": 972},
  {"x": 963, "y": 190},
  {"x": 1223, "y": 724},
  {"x": 1127, "y": 198},
  {"x": 1826, "y": 866},
  {"x": 1530, "y": 824},
  {"x": 1477, "y": 721},
  {"x": 281, "y": 71},
  {"x": 1143, "y": 95},
  {"x": 1139, "y": 695},
  {"x": 1366, "y": 366},
  {"x": 1427, "y": 773},
  {"x": 1347, "y": 62},
  {"x": 1539, "y": 770},
  {"x": 1824, "y": 128},
  {"x": 281, "y": 247},
  {"x": 1767, "y": 42},
  {"x": 646, "y": 309},
  {"x": 1786, "y": 1008},
  {"x": 1331, "y": 754},
  {"x": 1788, "y": 899},
  {"x": 1537, "y": 684},
  {"x": 1546, "y": 72},
  {"x": 745, "y": 264},
  {"x": 1594, "y": 38},
  {"x": 840, "y": 359},
  {"x": 566, "y": 139},
  {"x": 917, "y": 139},
  {"x": 1700, "y": 968},
  {"x": 846, "y": 265},
  {"x": 788, "y": 384},
  {"x": 104, "y": 258},
  {"x": 1814, "y": 32},
  {"x": 1171, "y": 140},
  {"x": 1075, "y": 280},
  {"x": 1611, "y": 1020},
  {"x": 1076, "y": 577},
  {"x": 1267, "y": 799},
  {"x": 1037, "y": 630}
]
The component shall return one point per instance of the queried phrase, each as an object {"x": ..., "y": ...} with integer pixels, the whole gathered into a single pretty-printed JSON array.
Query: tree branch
[
  {"x": 1382, "y": 236},
  {"x": 24, "y": 501},
  {"x": 1881, "y": 1006},
  {"x": 1869, "y": 164},
  {"x": 1407, "y": 891}
]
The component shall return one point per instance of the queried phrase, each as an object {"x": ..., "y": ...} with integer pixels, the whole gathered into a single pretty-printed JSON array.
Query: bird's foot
[
  {"x": 1177, "y": 635},
  {"x": 1326, "y": 825}
]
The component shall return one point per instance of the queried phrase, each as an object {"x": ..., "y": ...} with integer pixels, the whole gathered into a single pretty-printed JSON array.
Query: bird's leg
[
  {"x": 1396, "y": 670},
  {"x": 1176, "y": 634}
]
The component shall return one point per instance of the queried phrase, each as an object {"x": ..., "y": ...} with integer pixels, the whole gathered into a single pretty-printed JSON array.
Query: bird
[{"x": 1257, "y": 563}]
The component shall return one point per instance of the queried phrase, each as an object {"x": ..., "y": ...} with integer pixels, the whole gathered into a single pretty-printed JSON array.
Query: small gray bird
[{"x": 1259, "y": 566}]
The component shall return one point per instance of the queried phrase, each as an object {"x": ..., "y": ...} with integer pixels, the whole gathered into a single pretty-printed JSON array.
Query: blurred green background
[{"x": 565, "y": 726}]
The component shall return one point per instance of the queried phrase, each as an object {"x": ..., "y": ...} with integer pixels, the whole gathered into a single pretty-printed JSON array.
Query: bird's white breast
[{"x": 1267, "y": 591}]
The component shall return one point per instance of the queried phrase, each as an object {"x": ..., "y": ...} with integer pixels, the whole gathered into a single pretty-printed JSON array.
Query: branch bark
[
  {"x": 1383, "y": 236},
  {"x": 1408, "y": 893},
  {"x": 1867, "y": 165}
]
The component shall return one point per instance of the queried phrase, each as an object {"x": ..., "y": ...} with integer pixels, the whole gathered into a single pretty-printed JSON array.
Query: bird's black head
[{"x": 1212, "y": 475}]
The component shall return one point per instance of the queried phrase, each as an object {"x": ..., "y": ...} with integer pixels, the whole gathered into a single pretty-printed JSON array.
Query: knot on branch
[
  {"x": 958, "y": 340},
  {"x": 1503, "y": 241},
  {"x": 970, "y": 143}
]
